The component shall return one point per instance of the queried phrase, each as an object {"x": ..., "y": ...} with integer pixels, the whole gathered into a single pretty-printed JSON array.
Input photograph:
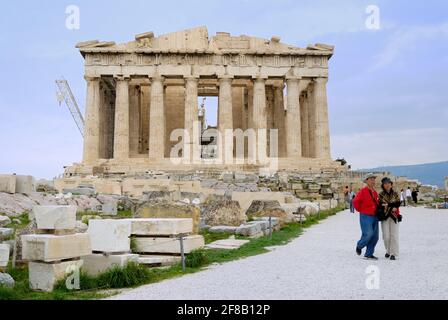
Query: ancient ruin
[{"x": 140, "y": 92}]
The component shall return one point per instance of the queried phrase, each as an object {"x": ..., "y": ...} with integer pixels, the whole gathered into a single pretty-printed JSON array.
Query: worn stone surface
[
  {"x": 260, "y": 208},
  {"x": 110, "y": 236},
  {"x": 223, "y": 212},
  {"x": 49, "y": 248},
  {"x": 167, "y": 245},
  {"x": 96, "y": 264},
  {"x": 161, "y": 226},
  {"x": 222, "y": 229},
  {"x": 228, "y": 244},
  {"x": 4, "y": 254},
  {"x": 4, "y": 221},
  {"x": 165, "y": 209},
  {"x": 44, "y": 276},
  {"x": 54, "y": 217},
  {"x": 6, "y": 281},
  {"x": 158, "y": 260},
  {"x": 7, "y": 183},
  {"x": 249, "y": 230}
]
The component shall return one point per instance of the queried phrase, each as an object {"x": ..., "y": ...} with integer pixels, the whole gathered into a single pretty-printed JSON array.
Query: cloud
[
  {"x": 406, "y": 39},
  {"x": 394, "y": 147}
]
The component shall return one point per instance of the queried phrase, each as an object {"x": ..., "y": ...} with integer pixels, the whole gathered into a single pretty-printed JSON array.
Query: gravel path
[{"x": 322, "y": 264}]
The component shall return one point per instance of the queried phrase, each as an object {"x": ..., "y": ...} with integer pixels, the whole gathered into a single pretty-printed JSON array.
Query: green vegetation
[{"x": 136, "y": 275}]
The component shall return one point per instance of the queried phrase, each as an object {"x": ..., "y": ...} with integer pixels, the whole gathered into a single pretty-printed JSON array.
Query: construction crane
[{"x": 64, "y": 93}]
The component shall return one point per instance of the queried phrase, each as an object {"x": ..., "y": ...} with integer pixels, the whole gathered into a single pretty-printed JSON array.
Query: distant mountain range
[{"x": 427, "y": 173}]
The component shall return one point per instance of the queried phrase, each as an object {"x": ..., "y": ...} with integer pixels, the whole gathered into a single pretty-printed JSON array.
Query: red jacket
[{"x": 364, "y": 203}]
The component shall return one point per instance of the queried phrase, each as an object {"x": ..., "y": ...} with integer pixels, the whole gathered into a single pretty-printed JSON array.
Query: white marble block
[
  {"x": 49, "y": 248},
  {"x": 167, "y": 245},
  {"x": 110, "y": 236},
  {"x": 55, "y": 217},
  {"x": 96, "y": 264},
  {"x": 161, "y": 227},
  {"x": 44, "y": 276},
  {"x": 159, "y": 260},
  {"x": 4, "y": 254}
]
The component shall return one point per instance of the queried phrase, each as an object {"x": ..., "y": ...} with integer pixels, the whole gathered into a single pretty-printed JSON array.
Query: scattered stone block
[
  {"x": 96, "y": 264},
  {"x": 109, "y": 209},
  {"x": 249, "y": 230},
  {"x": 54, "y": 217},
  {"x": 166, "y": 209},
  {"x": 25, "y": 184},
  {"x": 6, "y": 281},
  {"x": 227, "y": 244},
  {"x": 50, "y": 248},
  {"x": 4, "y": 221},
  {"x": 4, "y": 254},
  {"x": 223, "y": 212},
  {"x": 222, "y": 229},
  {"x": 159, "y": 260},
  {"x": 161, "y": 227},
  {"x": 110, "y": 236},
  {"x": 8, "y": 183},
  {"x": 44, "y": 276},
  {"x": 167, "y": 245}
]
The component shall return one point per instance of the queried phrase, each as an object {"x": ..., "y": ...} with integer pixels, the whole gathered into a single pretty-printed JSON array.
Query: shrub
[{"x": 196, "y": 259}]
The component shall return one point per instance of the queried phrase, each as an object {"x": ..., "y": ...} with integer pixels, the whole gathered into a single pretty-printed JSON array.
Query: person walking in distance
[
  {"x": 352, "y": 197},
  {"x": 403, "y": 198},
  {"x": 347, "y": 197},
  {"x": 390, "y": 201},
  {"x": 408, "y": 196},
  {"x": 366, "y": 203}
]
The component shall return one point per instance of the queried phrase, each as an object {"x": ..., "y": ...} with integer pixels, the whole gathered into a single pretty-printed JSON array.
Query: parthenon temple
[{"x": 139, "y": 92}]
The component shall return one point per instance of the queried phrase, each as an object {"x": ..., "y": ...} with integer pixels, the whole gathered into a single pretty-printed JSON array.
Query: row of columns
[{"x": 305, "y": 119}]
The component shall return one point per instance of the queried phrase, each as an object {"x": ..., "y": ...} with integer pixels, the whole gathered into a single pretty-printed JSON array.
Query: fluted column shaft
[
  {"x": 191, "y": 143},
  {"x": 225, "y": 116},
  {"x": 157, "y": 120},
  {"x": 121, "y": 132},
  {"x": 322, "y": 135},
  {"x": 92, "y": 118},
  {"x": 293, "y": 126}
]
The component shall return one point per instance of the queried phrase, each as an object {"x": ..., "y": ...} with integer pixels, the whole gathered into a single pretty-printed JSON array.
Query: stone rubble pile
[
  {"x": 56, "y": 250},
  {"x": 158, "y": 240}
]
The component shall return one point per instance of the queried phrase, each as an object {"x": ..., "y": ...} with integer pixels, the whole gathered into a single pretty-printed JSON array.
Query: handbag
[{"x": 380, "y": 213}]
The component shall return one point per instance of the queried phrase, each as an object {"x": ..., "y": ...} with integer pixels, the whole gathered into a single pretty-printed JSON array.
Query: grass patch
[
  {"x": 210, "y": 237},
  {"x": 136, "y": 275}
]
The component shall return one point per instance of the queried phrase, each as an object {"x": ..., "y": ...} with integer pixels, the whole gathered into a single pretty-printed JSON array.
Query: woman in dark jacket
[{"x": 390, "y": 201}]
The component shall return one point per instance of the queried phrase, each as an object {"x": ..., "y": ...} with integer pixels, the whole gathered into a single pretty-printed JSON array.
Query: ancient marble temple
[{"x": 139, "y": 92}]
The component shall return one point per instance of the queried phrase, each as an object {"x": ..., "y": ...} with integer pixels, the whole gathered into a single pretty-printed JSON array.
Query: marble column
[
  {"x": 157, "y": 120},
  {"x": 191, "y": 140},
  {"x": 311, "y": 122},
  {"x": 293, "y": 126},
  {"x": 225, "y": 117},
  {"x": 92, "y": 125},
  {"x": 259, "y": 118},
  {"x": 279, "y": 118},
  {"x": 322, "y": 134},
  {"x": 121, "y": 132},
  {"x": 304, "y": 114}
]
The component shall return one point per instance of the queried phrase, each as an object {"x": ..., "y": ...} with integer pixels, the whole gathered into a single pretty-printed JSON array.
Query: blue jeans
[{"x": 370, "y": 233}]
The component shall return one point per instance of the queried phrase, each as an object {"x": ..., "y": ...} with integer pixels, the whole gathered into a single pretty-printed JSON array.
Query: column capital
[
  {"x": 157, "y": 77},
  {"x": 191, "y": 78},
  {"x": 293, "y": 78},
  {"x": 92, "y": 78},
  {"x": 120, "y": 77},
  {"x": 321, "y": 80}
]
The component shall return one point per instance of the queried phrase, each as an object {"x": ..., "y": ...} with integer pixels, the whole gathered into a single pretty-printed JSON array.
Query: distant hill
[{"x": 427, "y": 173}]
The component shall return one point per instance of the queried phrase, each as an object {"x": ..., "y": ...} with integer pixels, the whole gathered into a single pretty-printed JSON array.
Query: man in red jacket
[{"x": 366, "y": 202}]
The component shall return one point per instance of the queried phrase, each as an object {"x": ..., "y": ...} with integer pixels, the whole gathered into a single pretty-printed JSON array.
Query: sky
[{"x": 387, "y": 91}]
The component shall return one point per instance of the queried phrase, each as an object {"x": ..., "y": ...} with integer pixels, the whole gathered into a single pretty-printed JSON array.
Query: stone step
[
  {"x": 49, "y": 248},
  {"x": 158, "y": 260},
  {"x": 44, "y": 276},
  {"x": 227, "y": 244},
  {"x": 110, "y": 236},
  {"x": 96, "y": 264},
  {"x": 167, "y": 245},
  {"x": 54, "y": 217},
  {"x": 161, "y": 227}
]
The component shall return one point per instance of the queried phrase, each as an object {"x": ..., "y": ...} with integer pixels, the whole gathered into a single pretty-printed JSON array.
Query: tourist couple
[{"x": 373, "y": 208}]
